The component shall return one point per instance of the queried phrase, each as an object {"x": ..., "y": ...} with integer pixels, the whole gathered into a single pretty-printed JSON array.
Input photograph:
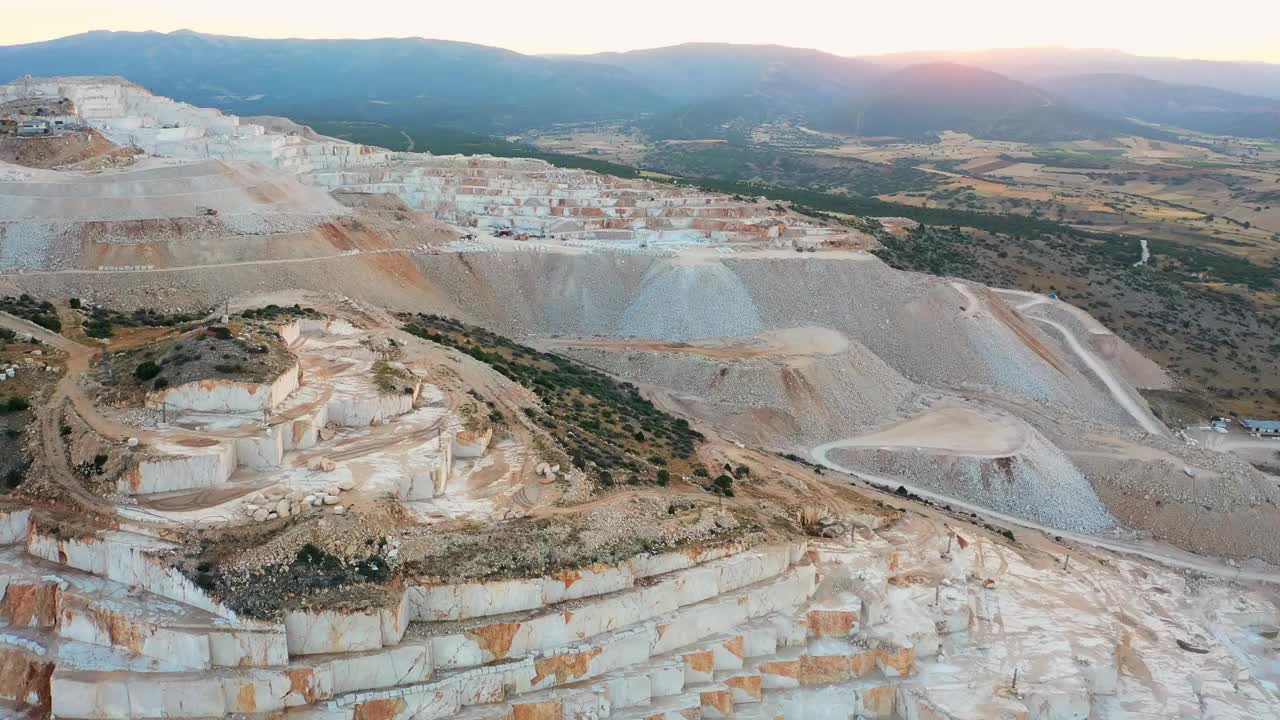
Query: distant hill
[
  {"x": 698, "y": 72},
  {"x": 922, "y": 100},
  {"x": 426, "y": 81},
  {"x": 1034, "y": 65},
  {"x": 1195, "y": 107},
  {"x": 699, "y": 90},
  {"x": 723, "y": 90}
]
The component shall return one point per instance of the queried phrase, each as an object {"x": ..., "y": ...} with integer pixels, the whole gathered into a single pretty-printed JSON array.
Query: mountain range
[{"x": 685, "y": 91}]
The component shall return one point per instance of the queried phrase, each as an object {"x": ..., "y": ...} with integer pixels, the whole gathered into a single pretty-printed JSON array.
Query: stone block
[
  {"x": 895, "y": 660},
  {"x": 82, "y": 619},
  {"x": 90, "y": 696},
  {"x": 248, "y": 647},
  {"x": 126, "y": 560},
  {"x": 789, "y": 631},
  {"x": 389, "y": 667},
  {"x": 727, "y": 653},
  {"x": 311, "y": 632},
  {"x": 432, "y": 602},
  {"x": 877, "y": 702},
  {"x": 228, "y": 396},
  {"x": 666, "y": 678},
  {"x": 699, "y": 667},
  {"x": 460, "y": 651},
  {"x": 263, "y": 691},
  {"x": 586, "y": 582},
  {"x": 29, "y": 603},
  {"x": 467, "y": 444},
  {"x": 831, "y": 623},
  {"x": 13, "y": 526},
  {"x": 395, "y": 621},
  {"x": 716, "y": 703},
  {"x": 626, "y": 689},
  {"x": 759, "y": 640},
  {"x": 746, "y": 687},
  {"x": 263, "y": 451},
  {"x": 25, "y": 675},
  {"x": 195, "y": 468}
]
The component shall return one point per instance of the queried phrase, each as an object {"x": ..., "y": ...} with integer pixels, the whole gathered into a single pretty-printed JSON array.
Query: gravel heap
[
  {"x": 689, "y": 302},
  {"x": 1039, "y": 483},
  {"x": 37, "y": 246},
  {"x": 810, "y": 399},
  {"x": 605, "y": 534}
]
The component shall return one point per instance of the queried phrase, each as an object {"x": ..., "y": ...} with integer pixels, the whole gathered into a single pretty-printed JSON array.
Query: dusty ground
[{"x": 68, "y": 150}]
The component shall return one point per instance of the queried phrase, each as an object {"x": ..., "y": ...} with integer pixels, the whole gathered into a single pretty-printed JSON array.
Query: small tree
[{"x": 146, "y": 370}]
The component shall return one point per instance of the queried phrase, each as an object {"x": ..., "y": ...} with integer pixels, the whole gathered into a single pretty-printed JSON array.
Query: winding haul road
[
  {"x": 1099, "y": 368},
  {"x": 1150, "y": 551},
  {"x": 1169, "y": 556}
]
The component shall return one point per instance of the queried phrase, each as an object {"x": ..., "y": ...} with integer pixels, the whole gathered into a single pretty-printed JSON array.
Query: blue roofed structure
[{"x": 1267, "y": 428}]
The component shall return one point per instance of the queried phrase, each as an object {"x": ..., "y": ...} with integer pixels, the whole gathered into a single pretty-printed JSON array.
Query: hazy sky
[{"x": 1222, "y": 29}]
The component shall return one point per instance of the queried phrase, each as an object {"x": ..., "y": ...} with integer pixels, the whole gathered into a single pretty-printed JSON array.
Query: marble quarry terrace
[
  {"x": 416, "y": 437},
  {"x": 482, "y": 192}
]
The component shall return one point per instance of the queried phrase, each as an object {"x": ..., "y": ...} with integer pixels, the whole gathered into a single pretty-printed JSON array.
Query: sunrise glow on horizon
[{"x": 1225, "y": 30}]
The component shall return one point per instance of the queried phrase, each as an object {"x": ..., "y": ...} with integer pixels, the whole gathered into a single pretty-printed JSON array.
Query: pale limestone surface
[
  {"x": 476, "y": 191},
  {"x": 761, "y": 637}
]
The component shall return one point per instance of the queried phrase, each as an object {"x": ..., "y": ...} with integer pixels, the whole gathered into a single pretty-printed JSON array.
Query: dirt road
[
  {"x": 48, "y": 415},
  {"x": 1117, "y": 388}
]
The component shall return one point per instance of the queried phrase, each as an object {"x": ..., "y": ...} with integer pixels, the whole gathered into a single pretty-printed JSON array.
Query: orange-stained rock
[
  {"x": 24, "y": 678},
  {"x": 303, "y": 682},
  {"x": 825, "y": 669},
  {"x": 862, "y": 663},
  {"x": 831, "y": 623},
  {"x": 495, "y": 639},
  {"x": 749, "y": 684},
  {"x": 702, "y": 661},
  {"x": 564, "y": 668},
  {"x": 900, "y": 659},
  {"x": 721, "y": 701},
  {"x": 912, "y": 578},
  {"x": 246, "y": 699},
  {"x": 545, "y": 710},
  {"x": 734, "y": 645},
  {"x": 879, "y": 702},
  {"x": 784, "y": 668},
  {"x": 569, "y": 577},
  {"x": 117, "y": 628},
  {"x": 31, "y": 604},
  {"x": 384, "y": 709}
]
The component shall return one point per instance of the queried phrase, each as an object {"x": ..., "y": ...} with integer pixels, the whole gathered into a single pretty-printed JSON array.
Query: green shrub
[
  {"x": 146, "y": 370},
  {"x": 99, "y": 328},
  {"x": 16, "y": 404},
  {"x": 48, "y": 322}
]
